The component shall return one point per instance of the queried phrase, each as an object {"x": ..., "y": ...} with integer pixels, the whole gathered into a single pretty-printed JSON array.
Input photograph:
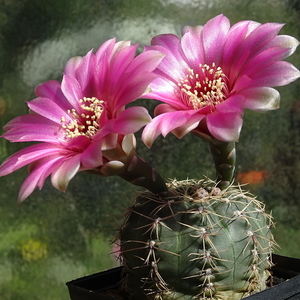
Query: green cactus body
[{"x": 199, "y": 243}]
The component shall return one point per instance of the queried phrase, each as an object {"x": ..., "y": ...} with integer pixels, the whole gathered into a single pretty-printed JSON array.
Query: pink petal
[
  {"x": 34, "y": 179},
  {"x": 165, "y": 91},
  {"x": 101, "y": 80},
  {"x": 235, "y": 39},
  {"x": 48, "y": 109},
  {"x": 78, "y": 143},
  {"x": 166, "y": 122},
  {"x": 190, "y": 125},
  {"x": 85, "y": 72},
  {"x": 195, "y": 30},
  {"x": 173, "y": 64},
  {"x": 72, "y": 91},
  {"x": 132, "y": 89},
  {"x": 285, "y": 42},
  {"x": 121, "y": 63},
  {"x": 72, "y": 65},
  {"x": 261, "y": 36},
  {"x": 105, "y": 49},
  {"x": 27, "y": 121},
  {"x": 55, "y": 163},
  {"x": 241, "y": 83},
  {"x": 261, "y": 99},
  {"x": 28, "y": 133},
  {"x": 92, "y": 157},
  {"x": 118, "y": 47},
  {"x": 48, "y": 89},
  {"x": 170, "y": 42},
  {"x": 225, "y": 126},
  {"x": 110, "y": 141},
  {"x": 278, "y": 74},
  {"x": 116, "y": 74},
  {"x": 213, "y": 37},
  {"x": 52, "y": 90},
  {"x": 192, "y": 48},
  {"x": 256, "y": 42},
  {"x": 234, "y": 103},
  {"x": 146, "y": 62},
  {"x": 262, "y": 60},
  {"x": 65, "y": 172},
  {"x": 131, "y": 120},
  {"x": 28, "y": 155}
]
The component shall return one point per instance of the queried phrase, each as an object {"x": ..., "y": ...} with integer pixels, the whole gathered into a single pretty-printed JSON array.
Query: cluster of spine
[{"x": 197, "y": 243}]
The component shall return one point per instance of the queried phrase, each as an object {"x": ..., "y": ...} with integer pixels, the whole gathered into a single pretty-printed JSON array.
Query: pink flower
[
  {"x": 210, "y": 75},
  {"x": 82, "y": 121}
]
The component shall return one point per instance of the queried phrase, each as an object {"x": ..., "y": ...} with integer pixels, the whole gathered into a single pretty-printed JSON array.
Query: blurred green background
[{"x": 53, "y": 237}]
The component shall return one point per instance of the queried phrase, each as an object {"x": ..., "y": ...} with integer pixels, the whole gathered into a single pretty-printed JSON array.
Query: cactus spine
[{"x": 200, "y": 242}]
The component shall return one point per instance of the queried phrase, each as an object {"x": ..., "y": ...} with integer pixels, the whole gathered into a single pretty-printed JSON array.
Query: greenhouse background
[{"x": 55, "y": 237}]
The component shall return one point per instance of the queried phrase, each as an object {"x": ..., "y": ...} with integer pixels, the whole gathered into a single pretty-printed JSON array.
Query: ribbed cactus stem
[
  {"x": 224, "y": 158},
  {"x": 199, "y": 243},
  {"x": 140, "y": 173}
]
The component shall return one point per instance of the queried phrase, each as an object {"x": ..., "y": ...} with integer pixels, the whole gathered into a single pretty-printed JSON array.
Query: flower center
[
  {"x": 203, "y": 88},
  {"x": 87, "y": 121}
]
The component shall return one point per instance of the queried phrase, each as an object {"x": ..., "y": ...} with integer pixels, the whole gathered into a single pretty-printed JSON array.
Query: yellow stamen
[
  {"x": 206, "y": 88},
  {"x": 85, "y": 122}
]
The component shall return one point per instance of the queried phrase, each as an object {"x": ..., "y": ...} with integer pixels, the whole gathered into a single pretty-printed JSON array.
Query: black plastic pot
[{"x": 104, "y": 285}]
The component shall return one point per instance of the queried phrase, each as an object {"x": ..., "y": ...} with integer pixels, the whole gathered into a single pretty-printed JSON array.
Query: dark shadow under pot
[{"x": 105, "y": 285}]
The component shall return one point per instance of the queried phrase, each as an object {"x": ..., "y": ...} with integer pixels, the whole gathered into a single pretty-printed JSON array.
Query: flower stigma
[
  {"x": 203, "y": 88},
  {"x": 87, "y": 121}
]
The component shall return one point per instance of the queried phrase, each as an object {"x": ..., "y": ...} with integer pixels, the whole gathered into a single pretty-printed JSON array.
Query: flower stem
[
  {"x": 140, "y": 173},
  {"x": 224, "y": 158}
]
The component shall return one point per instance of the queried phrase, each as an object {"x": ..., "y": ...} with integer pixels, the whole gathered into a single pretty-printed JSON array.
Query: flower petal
[
  {"x": 261, "y": 99},
  {"x": 286, "y": 42},
  {"x": 131, "y": 120},
  {"x": 30, "y": 132},
  {"x": 28, "y": 155},
  {"x": 84, "y": 73},
  {"x": 132, "y": 88},
  {"x": 146, "y": 62},
  {"x": 119, "y": 67},
  {"x": 65, "y": 172},
  {"x": 28, "y": 120},
  {"x": 36, "y": 178},
  {"x": 235, "y": 38},
  {"x": 193, "y": 48},
  {"x": 48, "y": 109},
  {"x": 52, "y": 90},
  {"x": 105, "y": 50},
  {"x": 214, "y": 33},
  {"x": 278, "y": 74},
  {"x": 173, "y": 64},
  {"x": 128, "y": 143},
  {"x": 164, "y": 90},
  {"x": 262, "y": 61},
  {"x": 72, "y": 91},
  {"x": 233, "y": 103},
  {"x": 72, "y": 65},
  {"x": 92, "y": 157},
  {"x": 225, "y": 126},
  {"x": 167, "y": 122},
  {"x": 218, "y": 71}
]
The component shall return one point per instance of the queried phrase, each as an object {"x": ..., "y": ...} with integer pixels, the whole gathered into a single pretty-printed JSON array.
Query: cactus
[{"x": 199, "y": 242}]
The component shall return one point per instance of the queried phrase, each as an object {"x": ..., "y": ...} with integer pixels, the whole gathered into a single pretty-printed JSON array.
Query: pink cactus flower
[
  {"x": 82, "y": 121},
  {"x": 213, "y": 72}
]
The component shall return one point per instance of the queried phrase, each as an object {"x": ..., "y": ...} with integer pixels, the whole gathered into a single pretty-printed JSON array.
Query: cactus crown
[{"x": 198, "y": 243}]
